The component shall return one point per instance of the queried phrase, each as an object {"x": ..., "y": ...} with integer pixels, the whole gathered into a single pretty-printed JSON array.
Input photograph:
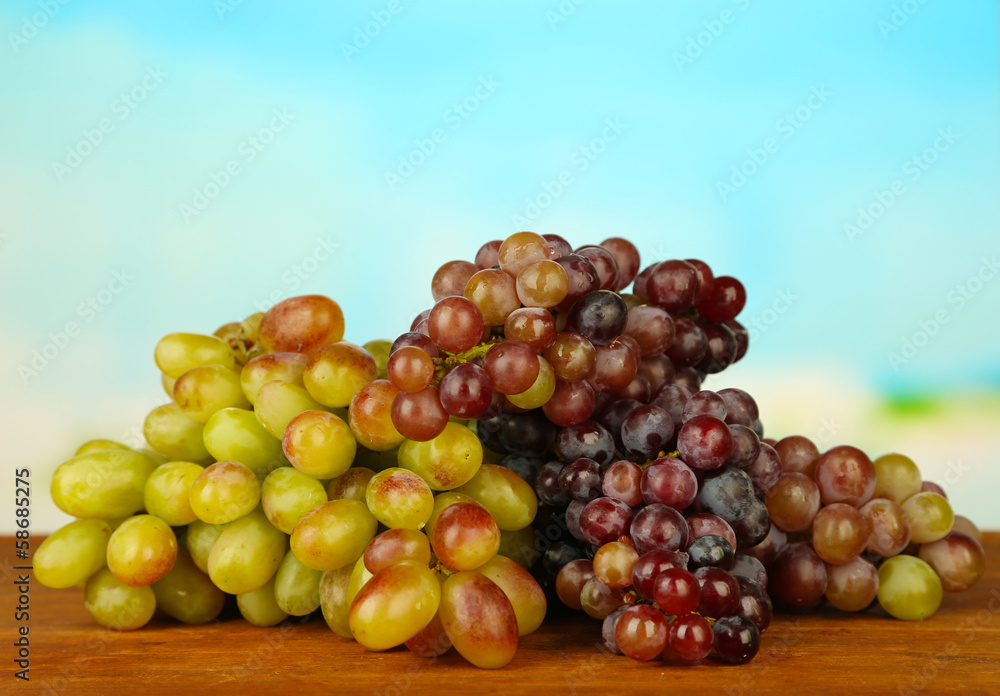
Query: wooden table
[{"x": 956, "y": 651}]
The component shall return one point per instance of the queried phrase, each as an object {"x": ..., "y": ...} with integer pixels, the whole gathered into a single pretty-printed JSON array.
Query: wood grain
[{"x": 956, "y": 651}]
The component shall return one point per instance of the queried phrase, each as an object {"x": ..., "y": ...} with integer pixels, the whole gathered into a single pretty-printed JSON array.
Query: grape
[
  {"x": 896, "y": 478},
  {"x": 115, "y": 605},
  {"x": 651, "y": 327},
  {"x": 142, "y": 550},
  {"x": 574, "y": 511},
  {"x": 798, "y": 454},
  {"x": 657, "y": 527},
  {"x": 319, "y": 444},
  {"x": 450, "y": 279},
  {"x": 599, "y": 600},
  {"x": 617, "y": 366},
  {"x": 512, "y": 367},
  {"x": 932, "y": 487},
  {"x": 622, "y": 481},
  {"x": 187, "y": 594},
  {"x": 650, "y": 565},
  {"x": 742, "y": 337},
  {"x": 737, "y": 639},
  {"x": 614, "y": 417},
  {"x": 199, "y": 540},
  {"x": 637, "y": 390},
  {"x": 604, "y": 262},
  {"x": 520, "y": 546},
  {"x": 930, "y": 515},
  {"x": 301, "y": 324},
  {"x": 725, "y": 300},
  {"x": 532, "y": 326},
  {"x": 798, "y": 576},
  {"x": 455, "y": 324},
  {"x": 466, "y": 391},
  {"x": 677, "y": 591},
  {"x": 395, "y": 605},
  {"x": 705, "y": 279},
  {"x": 767, "y": 550},
  {"x": 359, "y": 578},
  {"x": 908, "y": 588},
  {"x": 519, "y": 250},
  {"x": 547, "y": 485},
  {"x": 672, "y": 399},
  {"x": 285, "y": 367},
  {"x": 752, "y": 528},
  {"x": 287, "y": 494},
  {"x": 571, "y": 579},
  {"x": 399, "y": 499},
  {"x": 416, "y": 339},
  {"x": 647, "y": 431},
  {"x": 641, "y": 632},
  {"x": 380, "y": 350},
  {"x": 573, "y": 358},
  {"x": 710, "y": 550},
  {"x": 487, "y": 256},
  {"x": 704, "y": 403},
  {"x": 370, "y": 416},
  {"x": 689, "y": 378},
  {"x": 587, "y": 439},
  {"x": 581, "y": 479},
  {"x": 332, "y": 535},
  {"x": 689, "y": 640},
  {"x": 165, "y": 494},
  {"x": 223, "y": 492},
  {"x": 333, "y": 597},
  {"x": 394, "y": 546},
  {"x": 431, "y": 641},
  {"x": 419, "y": 416},
  {"x": 890, "y": 526},
  {"x": 174, "y": 435},
  {"x": 626, "y": 259},
  {"x": 177, "y": 353},
  {"x": 465, "y": 536},
  {"x": 525, "y": 595},
  {"x": 539, "y": 393},
  {"x": 494, "y": 293},
  {"x": 669, "y": 482},
  {"x": 845, "y": 474},
  {"x": 793, "y": 502},
  {"x": 235, "y": 434},
  {"x": 410, "y": 369},
  {"x": 673, "y": 285},
  {"x": 721, "y": 348},
  {"x": 966, "y": 526},
  {"x": 259, "y": 607},
  {"x": 689, "y": 345},
  {"x": 608, "y": 630},
  {"x": 727, "y": 493},
  {"x": 279, "y": 402},
  {"x": 203, "y": 390},
  {"x": 582, "y": 277},
  {"x": 442, "y": 501},
  {"x": 958, "y": 559},
  {"x": 528, "y": 434},
  {"x": 720, "y": 593},
  {"x": 447, "y": 461},
  {"x": 558, "y": 246},
  {"x": 701, "y": 524},
  {"x": 352, "y": 484},
  {"x": 840, "y": 533},
  {"x": 524, "y": 466},
  {"x": 542, "y": 284},
  {"x": 571, "y": 403},
  {"x": 336, "y": 372},
  {"x": 741, "y": 409},
  {"x": 613, "y": 564},
  {"x": 658, "y": 371},
  {"x": 754, "y": 603},
  {"x": 604, "y": 520},
  {"x": 851, "y": 586},
  {"x": 747, "y": 566},
  {"x": 71, "y": 554},
  {"x": 505, "y": 495},
  {"x": 296, "y": 587},
  {"x": 704, "y": 442},
  {"x": 479, "y": 620},
  {"x": 746, "y": 449},
  {"x": 599, "y": 316}
]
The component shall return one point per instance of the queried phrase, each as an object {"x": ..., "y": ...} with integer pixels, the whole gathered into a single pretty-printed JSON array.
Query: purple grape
[
  {"x": 672, "y": 399},
  {"x": 704, "y": 403},
  {"x": 650, "y": 565},
  {"x": 710, "y": 551},
  {"x": 669, "y": 482},
  {"x": 466, "y": 391},
  {"x": 525, "y": 467},
  {"x": 659, "y": 526},
  {"x": 614, "y": 416},
  {"x": 752, "y": 527},
  {"x": 690, "y": 378},
  {"x": 746, "y": 566},
  {"x": 581, "y": 479},
  {"x": 623, "y": 481},
  {"x": 690, "y": 344},
  {"x": 573, "y": 512},
  {"x": 599, "y": 316},
  {"x": 559, "y": 554},
  {"x": 741, "y": 407},
  {"x": 529, "y": 434},
  {"x": 726, "y": 493},
  {"x": 742, "y": 338},
  {"x": 673, "y": 285},
  {"x": 722, "y": 348},
  {"x": 754, "y": 602},
  {"x": 705, "y": 443},
  {"x": 720, "y": 593},
  {"x": 608, "y": 630},
  {"x": 585, "y": 440},
  {"x": 746, "y": 447},
  {"x": 737, "y": 639},
  {"x": 766, "y": 469},
  {"x": 547, "y": 485},
  {"x": 604, "y": 520},
  {"x": 647, "y": 430}
]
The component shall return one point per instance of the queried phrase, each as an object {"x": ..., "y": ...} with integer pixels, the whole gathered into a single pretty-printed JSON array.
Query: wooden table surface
[{"x": 956, "y": 651}]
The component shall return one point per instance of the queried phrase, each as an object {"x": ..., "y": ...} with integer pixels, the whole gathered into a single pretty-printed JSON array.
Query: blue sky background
[{"x": 688, "y": 112}]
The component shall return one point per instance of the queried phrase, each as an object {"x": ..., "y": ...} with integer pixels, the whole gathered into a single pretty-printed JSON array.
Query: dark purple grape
[
  {"x": 745, "y": 565},
  {"x": 741, "y": 409},
  {"x": 587, "y": 439},
  {"x": 705, "y": 279},
  {"x": 614, "y": 416},
  {"x": 720, "y": 593},
  {"x": 669, "y": 481},
  {"x": 705, "y": 443},
  {"x": 580, "y": 479},
  {"x": 754, "y": 602},
  {"x": 559, "y": 554},
  {"x": 547, "y": 485},
  {"x": 598, "y": 316},
  {"x": 690, "y": 378},
  {"x": 466, "y": 391},
  {"x": 752, "y": 527},
  {"x": 766, "y": 469},
  {"x": 725, "y": 301},
  {"x": 726, "y": 493},
  {"x": 672, "y": 399},
  {"x": 488, "y": 431},
  {"x": 525, "y": 467},
  {"x": 647, "y": 430},
  {"x": 648, "y": 568},
  {"x": 742, "y": 338},
  {"x": 604, "y": 520},
  {"x": 721, "y": 352},
  {"x": 530, "y": 434},
  {"x": 710, "y": 551},
  {"x": 767, "y": 550},
  {"x": 659, "y": 527},
  {"x": 673, "y": 285},
  {"x": 690, "y": 343},
  {"x": 797, "y": 576},
  {"x": 704, "y": 403},
  {"x": 746, "y": 447},
  {"x": 573, "y": 512},
  {"x": 737, "y": 639}
]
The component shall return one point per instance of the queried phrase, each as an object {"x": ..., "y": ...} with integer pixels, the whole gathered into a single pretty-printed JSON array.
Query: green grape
[
  {"x": 234, "y": 434},
  {"x": 930, "y": 515},
  {"x": 167, "y": 489},
  {"x": 539, "y": 393},
  {"x": 287, "y": 494},
  {"x": 259, "y": 607},
  {"x": 370, "y": 416},
  {"x": 279, "y": 402},
  {"x": 201, "y": 391},
  {"x": 465, "y": 536},
  {"x": 174, "y": 435},
  {"x": 100, "y": 446},
  {"x": 250, "y": 327},
  {"x": 142, "y": 550},
  {"x": 520, "y": 546},
  {"x": 199, "y": 539},
  {"x": 507, "y": 496},
  {"x": 379, "y": 349},
  {"x": 177, "y": 353},
  {"x": 441, "y": 501},
  {"x": 396, "y": 604},
  {"x": 319, "y": 444},
  {"x": 72, "y": 554},
  {"x": 168, "y": 384},
  {"x": 896, "y": 478},
  {"x": 105, "y": 485},
  {"x": 117, "y": 606},
  {"x": 285, "y": 367},
  {"x": 333, "y": 599},
  {"x": 479, "y": 620},
  {"x": 525, "y": 594},
  {"x": 360, "y": 576},
  {"x": 399, "y": 498},
  {"x": 246, "y": 554},
  {"x": 447, "y": 461},
  {"x": 350, "y": 485},
  {"x": 908, "y": 588},
  {"x": 187, "y": 594},
  {"x": 333, "y": 534},
  {"x": 223, "y": 492},
  {"x": 296, "y": 586},
  {"x": 395, "y": 545},
  {"x": 337, "y": 371}
]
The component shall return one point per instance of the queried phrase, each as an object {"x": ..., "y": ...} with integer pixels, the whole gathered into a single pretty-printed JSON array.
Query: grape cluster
[{"x": 851, "y": 531}]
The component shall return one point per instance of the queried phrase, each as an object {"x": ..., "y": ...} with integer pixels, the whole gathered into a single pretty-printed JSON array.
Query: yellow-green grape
[
  {"x": 177, "y": 353},
  {"x": 187, "y": 594},
  {"x": 525, "y": 594},
  {"x": 379, "y": 349},
  {"x": 319, "y": 444},
  {"x": 223, "y": 492},
  {"x": 279, "y": 402},
  {"x": 441, "y": 501},
  {"x": 100, "y": 445},
  {"x": 235, "y": 434},
  {"x": 539, "y": 393},
  {"x": 288, "y": 494},
  {"x": 395, "y": 605},
  {"x": 360, "y": 575},
  {"x": 908, "y": 588},
  {"x": 370, "y": 416},
  {"x": 106, "y": 485},
  {"x": 350, "y": 485},
  {"x": 479, "y": 620},
  {"x": 72, "y": 554},
  {"x": 167, "y": 489},
  {"x": 229, "y": 330},
  {"x": 465, "y": 536},
  {"x": 930, "y": 515},
  {"x": 296, "y": 586},
  {"x": 399, "y": 498},
  {"x": 142, "y": 550},
  {"x": 333, "y": 534},
  {"x": 333, "y": 599},
  {"x": 250, "y": 327},
  {"x": 520, "y": 546},
  {"x": 395, "y": 545},
  {"x": 336, "y": 372},
  {"x": 168, "y": 384},
  {"x": 201, "y": 391},
  {"x": 447, "y": 461},
  {"x": 259, "y": 607},
  {"x": 115, "y": 605},
  {"x": 284, "y": 367},
  {"x": 896, "y": 478},
  {"x": 507, "y": 496},
  {"x": 376, "y": 461},
  {"x": 199, "y": 539},
  {"x": 174, "y": 435},
  {"x": 246, "y": 554}
]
